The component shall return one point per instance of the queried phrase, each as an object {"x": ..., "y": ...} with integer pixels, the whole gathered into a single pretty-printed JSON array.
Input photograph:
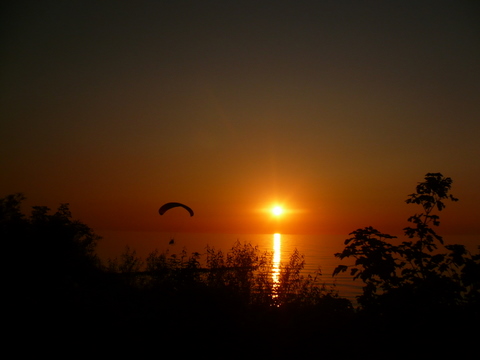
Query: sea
[{"x": 318, "y": 250}]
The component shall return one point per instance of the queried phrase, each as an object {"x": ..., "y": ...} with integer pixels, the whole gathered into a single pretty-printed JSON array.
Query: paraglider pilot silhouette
[{"x": 165, "y": 207}]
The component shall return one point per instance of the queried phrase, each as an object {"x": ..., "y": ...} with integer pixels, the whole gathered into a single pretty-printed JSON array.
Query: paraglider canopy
[{"x": 164, "y": 208}]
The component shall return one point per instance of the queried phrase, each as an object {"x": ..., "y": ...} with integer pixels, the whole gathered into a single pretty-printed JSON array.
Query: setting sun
[{"x": 277, "y": 210}]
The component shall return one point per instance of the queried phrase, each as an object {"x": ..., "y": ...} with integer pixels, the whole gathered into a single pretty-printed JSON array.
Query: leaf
[
  {"x": 437, "y": 259},
  {"x": 339, "y": 269}
]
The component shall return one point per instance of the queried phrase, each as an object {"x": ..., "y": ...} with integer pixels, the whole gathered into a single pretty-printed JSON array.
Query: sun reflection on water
[{"x": 277, "y": 252}]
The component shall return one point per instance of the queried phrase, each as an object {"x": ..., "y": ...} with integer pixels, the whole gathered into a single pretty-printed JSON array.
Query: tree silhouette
[
  {"x": 53, "y": 266},
  {"x": 419, "y": 276}
]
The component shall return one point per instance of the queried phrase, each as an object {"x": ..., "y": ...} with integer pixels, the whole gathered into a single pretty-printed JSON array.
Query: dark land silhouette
[{"x": 420, "y": 297}]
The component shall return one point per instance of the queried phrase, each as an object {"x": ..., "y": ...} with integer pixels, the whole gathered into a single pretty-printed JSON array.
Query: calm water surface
[{"x": 318, "y": 250}]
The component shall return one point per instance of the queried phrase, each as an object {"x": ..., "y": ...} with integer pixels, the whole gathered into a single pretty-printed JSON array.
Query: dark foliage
[
  {"x": 420, "y": 278},
  {"x": 53, "y": 279}
]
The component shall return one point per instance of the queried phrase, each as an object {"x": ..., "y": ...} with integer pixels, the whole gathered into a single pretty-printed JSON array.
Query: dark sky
[{"x": 335, "y": 109}]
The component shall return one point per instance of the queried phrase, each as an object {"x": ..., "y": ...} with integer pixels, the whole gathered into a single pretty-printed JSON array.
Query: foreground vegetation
[
  {"x": 419, "y": 289},
  {"x": 421, "y": 275}
]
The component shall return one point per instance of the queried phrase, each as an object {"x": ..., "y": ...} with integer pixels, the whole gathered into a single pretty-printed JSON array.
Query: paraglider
[{"x": 164, "y": 208}]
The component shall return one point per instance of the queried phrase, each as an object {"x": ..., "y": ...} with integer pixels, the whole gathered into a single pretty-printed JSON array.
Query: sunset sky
[{"x": 333, "y": 109}]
